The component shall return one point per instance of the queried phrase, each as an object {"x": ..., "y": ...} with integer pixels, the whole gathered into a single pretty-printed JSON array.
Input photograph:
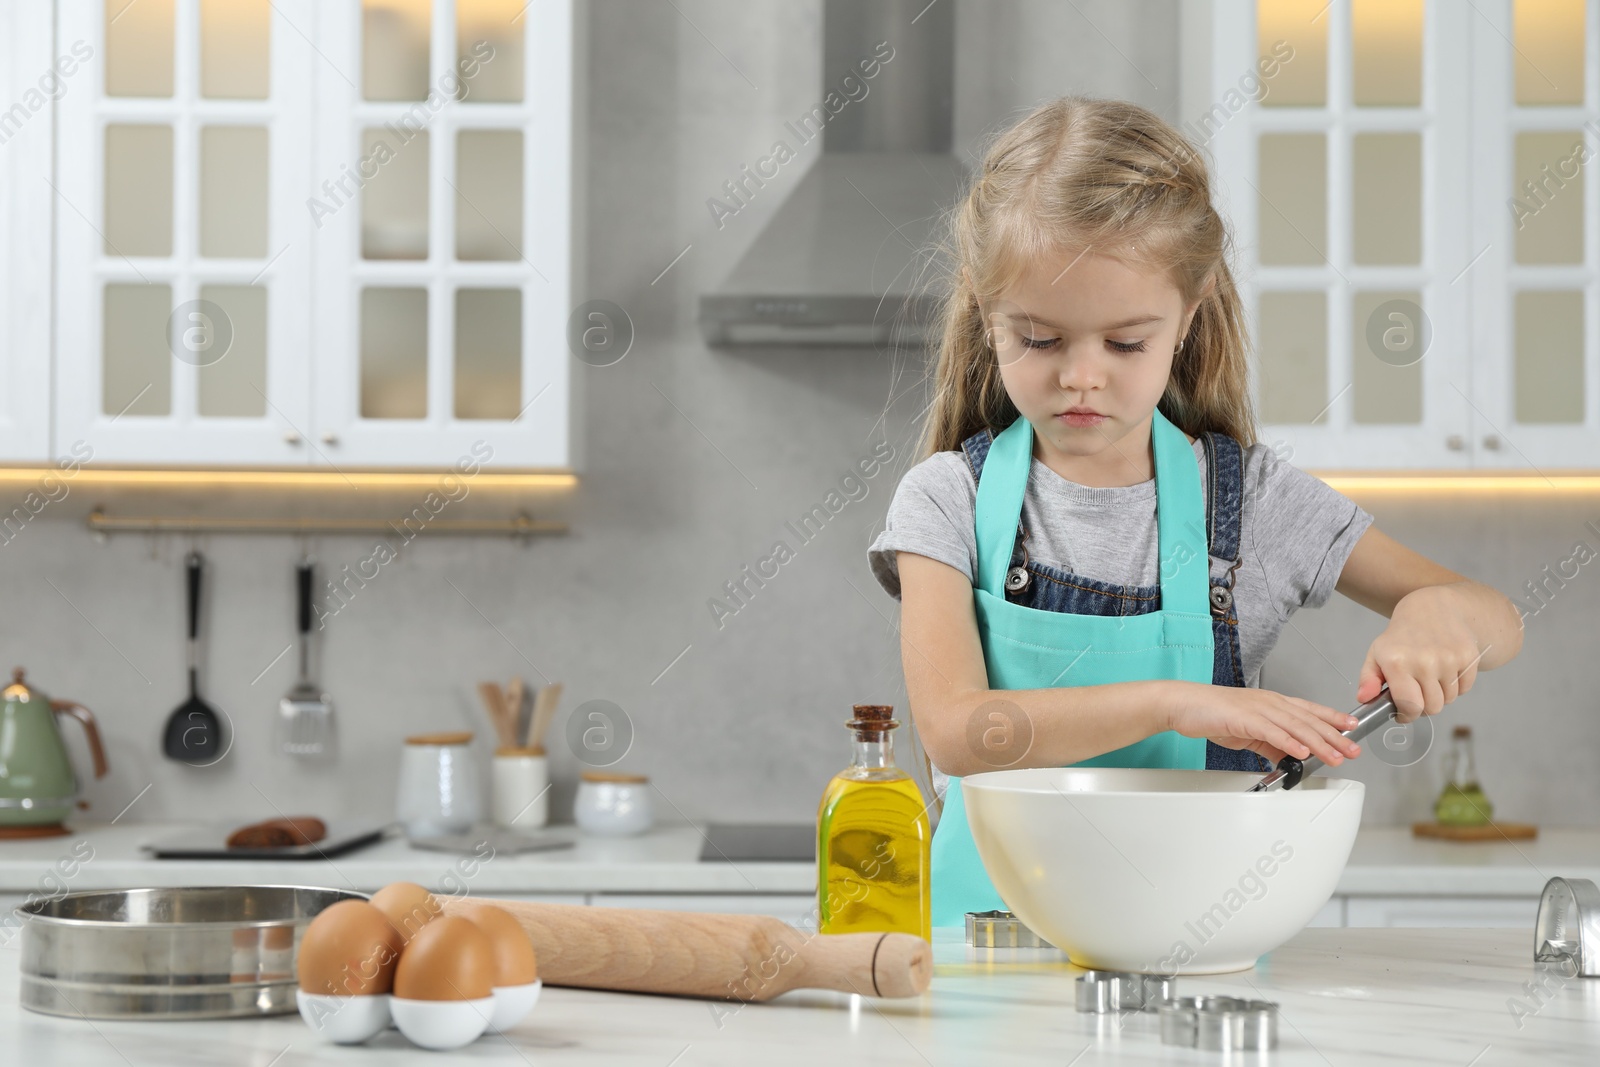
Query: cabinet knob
[
  {"x": 329, "y": 437},
  {"x": 1455, "y": 442},
  {"x": 1491, "y": 442},
  {"x": 290, "y": 437}
]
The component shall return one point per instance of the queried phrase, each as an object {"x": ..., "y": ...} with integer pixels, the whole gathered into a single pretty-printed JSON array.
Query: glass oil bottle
[
  {"x": 1463, "y": 802},
  {"x": 873, "y": 839}
]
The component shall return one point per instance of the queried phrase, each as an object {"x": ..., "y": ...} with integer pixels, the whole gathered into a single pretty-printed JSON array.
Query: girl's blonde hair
[{"x": 1105, "y": 175}]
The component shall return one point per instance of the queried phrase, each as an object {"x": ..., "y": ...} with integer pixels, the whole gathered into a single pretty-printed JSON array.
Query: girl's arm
[
  {"x": 1442, "y": 630},
  {"x": 966, "y": 727}
]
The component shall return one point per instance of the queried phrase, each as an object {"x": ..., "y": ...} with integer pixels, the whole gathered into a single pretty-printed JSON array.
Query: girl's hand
[
  {"x": 1427, "y": 655},
  {"x": 1267, "y": 723}
]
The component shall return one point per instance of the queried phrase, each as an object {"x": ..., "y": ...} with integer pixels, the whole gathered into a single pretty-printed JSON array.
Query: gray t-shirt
[{"x": 1296, "y": 533}]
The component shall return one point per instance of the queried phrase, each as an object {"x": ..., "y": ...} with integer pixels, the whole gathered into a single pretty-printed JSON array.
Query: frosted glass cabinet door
[
  {"x": 444, "y": 275},
  {"x": 1536, "y": 306},
  {"x": 183, "y": 243},
  {"x": 336, "y": 233},
  {"x": 25, "y": 49},
  {"x": 1343, "y": 172}
]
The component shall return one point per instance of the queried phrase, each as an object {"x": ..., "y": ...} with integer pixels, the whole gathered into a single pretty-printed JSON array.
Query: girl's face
[{"x": 1085, "y": 343}]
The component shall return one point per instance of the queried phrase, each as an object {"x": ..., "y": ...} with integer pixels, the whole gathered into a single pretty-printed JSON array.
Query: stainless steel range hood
[{"x": 839, "y": 260}]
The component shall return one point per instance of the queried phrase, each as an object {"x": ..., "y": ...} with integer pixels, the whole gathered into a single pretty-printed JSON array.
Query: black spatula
[{"x": 194, "y": 734}]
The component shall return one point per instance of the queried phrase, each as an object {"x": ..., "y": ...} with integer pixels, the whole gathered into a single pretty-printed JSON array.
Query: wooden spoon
[
  {"x": 544, "y": 709},
  {"x": 494, "y": 700},
  {"x": 516, "y": 696}
]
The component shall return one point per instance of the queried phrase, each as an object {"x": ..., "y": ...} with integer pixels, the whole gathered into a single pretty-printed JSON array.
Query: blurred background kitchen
[{"x": 393, "y": 307}]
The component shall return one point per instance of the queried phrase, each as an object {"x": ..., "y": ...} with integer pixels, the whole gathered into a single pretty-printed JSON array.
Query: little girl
[{"x": 1096, "y": 554}]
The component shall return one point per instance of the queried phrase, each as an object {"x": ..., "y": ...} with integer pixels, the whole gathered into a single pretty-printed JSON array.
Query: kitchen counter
[
  {"x": 665, "y": 860},
  {"x": 1385, "y": 861},
  {"x": 1391, "y": 860},
  {"x": 1387, "y": 996}
]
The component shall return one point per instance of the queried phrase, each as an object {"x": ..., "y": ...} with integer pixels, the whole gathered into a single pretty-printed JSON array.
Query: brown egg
[
  {"x": 448, "y": 959},
  {"x": 349, "y": 949},
  {"x": 514, "y": 959},
  {"x": 408, "y": 906}
]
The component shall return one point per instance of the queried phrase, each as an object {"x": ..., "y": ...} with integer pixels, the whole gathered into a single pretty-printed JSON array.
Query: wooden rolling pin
[{"x": 731, "y": 957}]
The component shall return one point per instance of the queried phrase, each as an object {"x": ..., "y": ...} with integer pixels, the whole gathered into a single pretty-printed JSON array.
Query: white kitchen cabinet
[
  {"x": 1331, "y": 914},
  {"x": 1536, "y": 214},
  {"x": 1443, "y": 911},
  {"x": 1370, "y": 156},
  {"x": 178, "y": 187},
  {"x": 28, "y": 80},
  {"x": 445, "y": 291},
  {"x": 577, "y": 899},
  {"x": 371, "y": 200},
  {"x": 798, "y": 910}
]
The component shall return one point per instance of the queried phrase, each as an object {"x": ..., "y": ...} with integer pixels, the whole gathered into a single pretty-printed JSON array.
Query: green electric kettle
[{"x": 37, "y": 785}]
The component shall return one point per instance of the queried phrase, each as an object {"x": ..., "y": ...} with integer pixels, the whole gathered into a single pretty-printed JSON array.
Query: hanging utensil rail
[{"x": 519, "y": 525}]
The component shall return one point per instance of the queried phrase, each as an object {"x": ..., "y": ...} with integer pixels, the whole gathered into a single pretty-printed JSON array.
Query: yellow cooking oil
[{"x": 873, "y": 840}]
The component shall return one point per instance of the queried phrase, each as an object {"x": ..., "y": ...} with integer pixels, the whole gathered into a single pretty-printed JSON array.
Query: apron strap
[
  {"x": 1184, "y": 563},
  {"x": 1184, "y": 555},
  {"x": 999, "y": 506}
]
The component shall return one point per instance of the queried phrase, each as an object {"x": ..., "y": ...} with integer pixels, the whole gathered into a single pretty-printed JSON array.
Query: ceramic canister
[
  {"x": 520, "y": 788},
  {"x": 440, "y": 789}
]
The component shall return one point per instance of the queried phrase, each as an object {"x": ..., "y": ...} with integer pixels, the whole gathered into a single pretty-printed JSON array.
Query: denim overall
[{"x": 1054, "y": 628}]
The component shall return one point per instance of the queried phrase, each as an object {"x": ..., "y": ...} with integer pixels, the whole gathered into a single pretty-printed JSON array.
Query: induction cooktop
[{"x": 760, "y": 843}]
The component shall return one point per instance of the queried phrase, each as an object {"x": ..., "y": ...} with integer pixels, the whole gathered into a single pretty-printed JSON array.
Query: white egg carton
[{"x": 431, "y": 1024}]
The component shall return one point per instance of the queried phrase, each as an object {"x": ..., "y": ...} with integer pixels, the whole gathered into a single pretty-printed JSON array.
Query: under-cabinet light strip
[
  {"x": 1467, "y": 484},
  {"x": 180, "y": 479}
]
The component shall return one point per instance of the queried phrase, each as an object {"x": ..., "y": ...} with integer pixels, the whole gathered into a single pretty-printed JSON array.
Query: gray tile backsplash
[{"x": 696, "y": 460}]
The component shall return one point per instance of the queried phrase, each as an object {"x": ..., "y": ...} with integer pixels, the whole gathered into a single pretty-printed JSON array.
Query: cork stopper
[
  {"x": 872, "y": 720},
  {"x": 1461, "y": 731}
]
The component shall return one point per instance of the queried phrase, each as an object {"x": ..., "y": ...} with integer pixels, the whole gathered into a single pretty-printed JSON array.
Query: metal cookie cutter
[
  {"x": 1103, "y": 992},
  {"x": 1219, "y": 1024},
  {"x": 1001, "y": 929},
  {"x": 1566, "y": 935}
]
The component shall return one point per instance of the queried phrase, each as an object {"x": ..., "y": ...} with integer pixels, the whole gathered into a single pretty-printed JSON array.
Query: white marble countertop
[
  {"x": 1390, "y": 861},
  {"x": 1345, "y": 996},
  {"x": 664, "y": 860},
  {"x": 1386, "y": 861}
]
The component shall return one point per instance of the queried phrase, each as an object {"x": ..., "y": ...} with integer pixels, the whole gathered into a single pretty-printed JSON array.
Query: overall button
[
  {"x": 1221, "y": 598},
  {"x": 1016, "y": 579}
]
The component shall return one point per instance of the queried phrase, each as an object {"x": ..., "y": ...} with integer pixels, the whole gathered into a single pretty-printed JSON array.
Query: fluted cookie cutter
[
  {"x": 1220, "y": 1024},
  {"x": 1103, "y": 992},
  {"x": 1001, "y": 929},
  {"x": 1566, "y": 934}
]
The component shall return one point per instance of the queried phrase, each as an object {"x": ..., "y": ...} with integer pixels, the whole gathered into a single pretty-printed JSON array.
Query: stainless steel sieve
[{"x": 197, "y": 952}]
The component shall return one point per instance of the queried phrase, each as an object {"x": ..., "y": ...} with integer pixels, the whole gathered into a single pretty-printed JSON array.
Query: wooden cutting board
[{"x": 1495, "y": 831}]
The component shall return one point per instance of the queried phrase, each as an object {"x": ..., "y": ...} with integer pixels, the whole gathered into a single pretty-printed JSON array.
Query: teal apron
[{"x": 1027, "y": 648}]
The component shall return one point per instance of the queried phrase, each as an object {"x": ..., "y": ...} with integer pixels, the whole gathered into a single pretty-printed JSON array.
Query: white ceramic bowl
[
  {"x": 512, "y": 1003},
  {"x": 344, "y": 1020},
  {"x": 442, "y": 1024},
  {"x": 1161, "y": 871}
]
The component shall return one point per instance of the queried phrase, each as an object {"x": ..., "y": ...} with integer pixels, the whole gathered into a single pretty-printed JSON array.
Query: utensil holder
[{"x": 520, "y": 788}]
